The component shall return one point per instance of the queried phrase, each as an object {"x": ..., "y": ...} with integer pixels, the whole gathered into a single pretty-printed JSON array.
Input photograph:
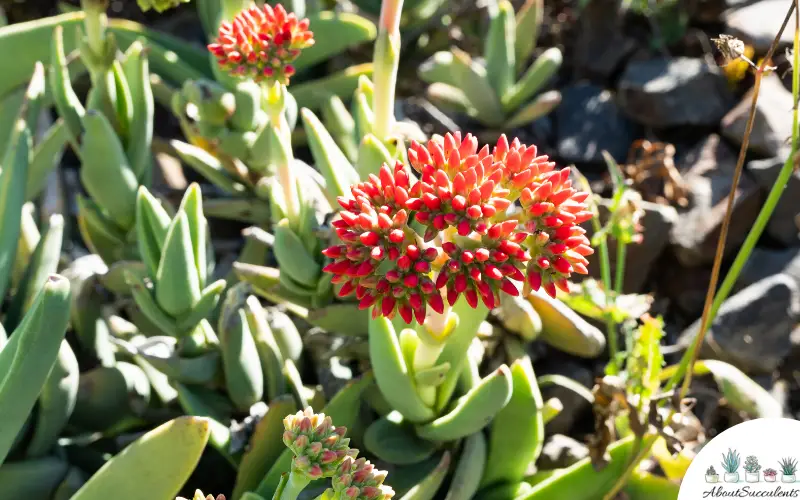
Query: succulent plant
[
  {"x": 788, "y": 465},
  {"x": 751, "y": 464},
  {"x": 110, "y": 129},
  {"x": 770, "y": 472},
  {"x": 173, "y": 294},
  {"x": 489, "y": 91},
  {"x": 730, "y": 461},
  {"x": 711, "y": 471}
]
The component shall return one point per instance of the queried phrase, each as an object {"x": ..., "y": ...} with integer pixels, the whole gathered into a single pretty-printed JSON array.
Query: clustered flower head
[
  {"x": 360, "y": 480},
  {"x": 261, "y": 43},
  {"x": 319, "y": 447},
  {"x": 469, "y": 241}
]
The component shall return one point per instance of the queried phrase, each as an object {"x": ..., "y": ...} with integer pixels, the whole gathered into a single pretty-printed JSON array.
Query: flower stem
[
  {"x": 281, "y": 153},
  {"x": 620, "y": 275},
  {"x": 386, "y": 60},
  {"x": 292, "y": 488},
  {"x": 96, "y": 23},
  {"x": 605, "y": 275}
]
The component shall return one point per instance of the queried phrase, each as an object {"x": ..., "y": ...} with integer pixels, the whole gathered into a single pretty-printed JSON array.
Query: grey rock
[
  {"x": 575, "y": 405},
  {"x": 784, "y": 224},
  {"x": 708, "y": 171},
  {"x": 773, "y": 121},
  {"x": 588, "y": 121},
  {"x": 673, "y": 92},
  {"x": 759, "y": 22},
  {"x": 763, "y": 263},
  {"x": 600, "y": 45},
  {"x": 658, "y": 221},
  {"x": 753, "y": 328},
  {"x": 685, "y": 287},
  {"x": 561, "y": 451}
]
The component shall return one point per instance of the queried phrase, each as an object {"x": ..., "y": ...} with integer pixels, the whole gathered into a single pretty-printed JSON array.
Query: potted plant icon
[
  {"x": 751, "y": 468},
  {"x": 770, "y": 475},
  {"x": 711, "y": 475},
  {"x": 788, "y": 468},
  {"x": 730, "y": 464}
]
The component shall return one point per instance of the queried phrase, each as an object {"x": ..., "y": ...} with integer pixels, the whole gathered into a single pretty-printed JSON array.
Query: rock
[
  {"x": 657, "y": 222},
  {"x": 685, "y": 287},
  {"x": 752, "y": 329},
  {"x": 764, "y": 263},
  {"x": 783, "y": 225},
  {"x": 773, "y": 121},
  {"x": 588, "y": 121},
  {"x": 600, "y": 45},
  {"x": 673, "y": 92},
  {"x": 708, "y": 172},
  {"x": 575, "y": 404},
  {"x": 758, "y": 23},
  {"x": 561, "y": 451}
]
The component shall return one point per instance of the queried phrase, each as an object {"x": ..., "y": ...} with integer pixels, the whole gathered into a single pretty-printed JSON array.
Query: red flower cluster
[
  {"x": 261, "y": 43},
  {"x": 470, "y": 244}
]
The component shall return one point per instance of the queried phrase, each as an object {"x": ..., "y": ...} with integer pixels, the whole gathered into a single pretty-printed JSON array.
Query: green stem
[
  {"x": 386, "y": 60},
  {"x": 275, "y": 105},
  {"x": 605, "y": 275},
  {"x": 292, "y": 488},
  {"x": 620, "y": 277},
  {"x": 96, "y": 23}
]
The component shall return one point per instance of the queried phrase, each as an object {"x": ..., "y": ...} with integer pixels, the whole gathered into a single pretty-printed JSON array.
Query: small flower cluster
[
  {"x": 357, "y": 479},
  {"x": 261, "y": 43},
  {"x": 319, "y": 447},
  {"x": 321, "y": 450},
  {"x": 469, "y": 244}
]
